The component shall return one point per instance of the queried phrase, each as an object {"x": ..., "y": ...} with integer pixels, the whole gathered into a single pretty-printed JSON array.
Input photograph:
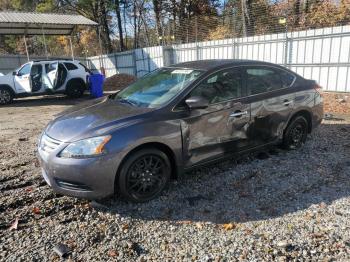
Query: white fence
[{"x": 319, "y": 54}]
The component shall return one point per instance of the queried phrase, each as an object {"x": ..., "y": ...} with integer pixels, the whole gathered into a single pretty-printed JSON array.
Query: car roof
[
  {"x": 211, "y": 64},
  {"x": 53, "y": 60}
]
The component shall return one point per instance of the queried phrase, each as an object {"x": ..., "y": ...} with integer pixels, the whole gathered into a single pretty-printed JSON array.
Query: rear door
[
  {"x": 272, "y": 101},
  {"x": 51, "y": 74},
  {"x": 221, "y": 128}
]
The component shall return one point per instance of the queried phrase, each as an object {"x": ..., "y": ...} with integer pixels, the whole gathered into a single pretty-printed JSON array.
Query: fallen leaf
[
  {"x": 14, "y": 225},
  {"x": 29, "y": 189},
  {"x": 199, "y": 225},
  {"x": 248, "y": 231},
  {"x": 229, "y": 226},
  {"x": 125, "y": 226},
  {"x": 185, "y": 222},
  {"x": 112, "y": 253},
  {"x": 36, "y": 210}
]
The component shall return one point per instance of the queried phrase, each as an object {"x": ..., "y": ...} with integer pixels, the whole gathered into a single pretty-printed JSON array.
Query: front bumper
[{"x": 91, "y": 178}]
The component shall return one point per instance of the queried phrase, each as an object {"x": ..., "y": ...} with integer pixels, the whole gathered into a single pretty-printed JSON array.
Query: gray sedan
[{"x": 172, "y": 120}]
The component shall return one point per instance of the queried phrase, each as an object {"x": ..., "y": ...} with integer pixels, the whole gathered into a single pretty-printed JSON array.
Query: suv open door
[{"x": 56, "y": 74}]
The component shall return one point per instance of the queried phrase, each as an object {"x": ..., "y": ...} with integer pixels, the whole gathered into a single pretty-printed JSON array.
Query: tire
[
  {"x": 6, "y": 95},
  {"x": 75, "y": 88},
  {"x": 295, "y": 134},
  {"x": 137, "y": 182}
]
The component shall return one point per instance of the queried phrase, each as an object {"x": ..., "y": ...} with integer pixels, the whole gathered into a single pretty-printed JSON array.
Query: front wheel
[
  {"x": 6, "y": 96},
  {"x": 144, "y": 175},
  {"x": 295, "y": 134}
]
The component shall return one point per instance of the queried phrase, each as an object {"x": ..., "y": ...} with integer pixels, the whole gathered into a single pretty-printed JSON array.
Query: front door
[
  {"x": 272, "y": 101},
  {"x": 36, "y": 77},
  {"x": 221, "y": 128},
  {"x": 22, "y": 79}
]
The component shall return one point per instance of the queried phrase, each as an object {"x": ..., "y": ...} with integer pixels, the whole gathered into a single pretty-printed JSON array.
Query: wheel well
[
  {"x": 162, "y": 147},
  {"x": 9, "y": 88},
  {"x": 305, "y": 114}
]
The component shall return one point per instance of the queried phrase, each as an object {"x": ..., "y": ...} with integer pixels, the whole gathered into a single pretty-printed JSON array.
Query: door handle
[
  {"x": 287, "y": 102},
  {"x": 238, "y": 113}
]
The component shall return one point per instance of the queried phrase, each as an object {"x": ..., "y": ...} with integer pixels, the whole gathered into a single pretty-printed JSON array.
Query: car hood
[{"x": 93, "y": 118}]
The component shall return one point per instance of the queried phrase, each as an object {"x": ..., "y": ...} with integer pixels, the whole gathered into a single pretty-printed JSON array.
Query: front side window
[
  {"x": 219, "y": 87},
  {"x": 25, "y": 70},
  {"x": 158, "y": 88},
  {"x": 262, "y": 80}
]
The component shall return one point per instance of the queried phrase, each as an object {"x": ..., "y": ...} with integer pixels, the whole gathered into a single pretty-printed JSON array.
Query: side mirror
[
  {"x": 197, "y": 102},
  {"x": 14, "y": 73}
]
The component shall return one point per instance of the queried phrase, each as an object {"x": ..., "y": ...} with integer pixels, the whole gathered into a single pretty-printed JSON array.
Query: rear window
[
  {"x": 86, "y": 69},
  {"x": 70, "y": 66}
]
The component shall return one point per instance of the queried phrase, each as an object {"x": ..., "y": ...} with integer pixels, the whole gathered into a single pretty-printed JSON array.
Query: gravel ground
[{"x": 274, "y": 205}]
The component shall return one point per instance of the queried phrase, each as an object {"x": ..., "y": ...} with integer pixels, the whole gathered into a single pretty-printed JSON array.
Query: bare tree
[{"x": 120, "y": 26}]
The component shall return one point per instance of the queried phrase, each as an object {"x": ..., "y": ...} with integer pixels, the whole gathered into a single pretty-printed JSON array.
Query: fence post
[
  {"x": 134, "y": 62},
  {"x": 197, "y": 52},
  {"x": 116, "y": 63},
  {"x": 168, "y": 55}
]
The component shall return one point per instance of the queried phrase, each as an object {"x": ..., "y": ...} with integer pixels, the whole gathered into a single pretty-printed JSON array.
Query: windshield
[{"x": 157, "y": 88}]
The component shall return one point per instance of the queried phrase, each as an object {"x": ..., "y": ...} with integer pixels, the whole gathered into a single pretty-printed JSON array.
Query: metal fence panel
[{"x": 319, "y": 54}]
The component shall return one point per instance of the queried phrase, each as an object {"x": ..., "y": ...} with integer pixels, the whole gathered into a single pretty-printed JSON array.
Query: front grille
[{"x": 49, "y": 144}]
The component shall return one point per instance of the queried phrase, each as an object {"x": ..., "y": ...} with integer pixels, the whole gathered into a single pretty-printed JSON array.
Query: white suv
[{"x": 45, "y": 77}]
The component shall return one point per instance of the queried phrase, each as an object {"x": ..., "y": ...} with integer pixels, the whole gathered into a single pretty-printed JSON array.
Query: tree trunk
[
  {"x": 297, "y": 12},
  {"x": 157, "y": 9},
  {"x": 104, "y": 23},
  {"x": 247, "y": 18},
  {"x": 120, "y": 28},
  {"x": 135, "y": 25}
]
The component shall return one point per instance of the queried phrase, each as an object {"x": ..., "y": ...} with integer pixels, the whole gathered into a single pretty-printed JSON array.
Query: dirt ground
[{"x": 281, "y": 205}]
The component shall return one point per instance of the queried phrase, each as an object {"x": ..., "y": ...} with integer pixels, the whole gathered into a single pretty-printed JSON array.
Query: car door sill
[{"x": 230, "y": 155}]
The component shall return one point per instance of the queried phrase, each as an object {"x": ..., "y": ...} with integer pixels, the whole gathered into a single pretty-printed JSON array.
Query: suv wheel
[
  {"x": 6, "y": 96},
  {"x": 75, "y": 88},
  {"x": 144, "y": 175},
  {"x": 296, "y": 133}
]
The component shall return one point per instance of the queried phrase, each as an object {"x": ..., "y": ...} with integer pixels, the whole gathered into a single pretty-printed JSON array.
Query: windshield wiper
[{"x": 126, "y": 101}]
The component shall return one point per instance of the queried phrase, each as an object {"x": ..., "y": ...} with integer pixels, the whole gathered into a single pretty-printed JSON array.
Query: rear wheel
[
  {"x": 296, "y": 133},
  {"x": 6, "y": 96},
  {"x": 144, "y": 175},
  {"x": 75, "y": 88}
]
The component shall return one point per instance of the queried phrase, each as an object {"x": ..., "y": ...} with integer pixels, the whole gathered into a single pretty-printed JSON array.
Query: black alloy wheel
[
  {"x": 144, "y": 175},
  {"x": 5, "y": 96},
  {"x": 296, "y": 133}
]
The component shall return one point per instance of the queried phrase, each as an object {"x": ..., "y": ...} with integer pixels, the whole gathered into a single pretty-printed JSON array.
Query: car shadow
[
  {"x": 48, "y": 100},
  {"x": 258, "y": 186}
]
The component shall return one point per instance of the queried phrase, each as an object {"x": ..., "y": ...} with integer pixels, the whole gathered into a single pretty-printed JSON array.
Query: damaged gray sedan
[{"x": 172, "y": 120}]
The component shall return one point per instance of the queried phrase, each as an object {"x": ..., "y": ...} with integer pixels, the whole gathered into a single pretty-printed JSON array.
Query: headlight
[{"x": 85, "y": 148}]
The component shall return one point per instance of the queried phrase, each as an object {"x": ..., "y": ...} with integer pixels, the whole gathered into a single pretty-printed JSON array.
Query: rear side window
[
  {"x": 70, "y": 66},
  {"x": 261, "y": 80},
  {"x": 286, "y": 78}
]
